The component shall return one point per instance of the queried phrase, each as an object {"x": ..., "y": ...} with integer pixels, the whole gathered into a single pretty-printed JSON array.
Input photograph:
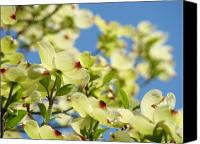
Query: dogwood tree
[{"x": 89, "y": 93}]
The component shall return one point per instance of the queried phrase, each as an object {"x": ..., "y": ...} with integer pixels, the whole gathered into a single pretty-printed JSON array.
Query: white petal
[
  {"x": 47, "y": 54},
  {"x": 149, "y": 102},
  {"x": 64, "y": 61}
]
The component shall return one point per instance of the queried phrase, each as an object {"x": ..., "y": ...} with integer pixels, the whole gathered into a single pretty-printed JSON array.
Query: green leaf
[
  {"x": 43, "y": 110},
  {"x": 45, "y": 82},
  {"x": 84, "y": 132},
  {"x": 98, "y": 132},
  {"x": 123, "y": 96},
  {"x": 108, "y": 77},
  {"x": 12, "y": 122},
  {"x": 94, "y": 76},
  {"x": 2, "y": 100},
  {"x": 17, "y": 96},
  {"x": 66, "y": 89},
  {"x": 58, "y": 82}
]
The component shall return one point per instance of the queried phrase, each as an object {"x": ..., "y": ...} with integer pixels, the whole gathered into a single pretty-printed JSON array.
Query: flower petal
[
  {"x": 149, "y": 102},
  {"x": 47, "y": 54},
  {"x": 32, "y": 129}
]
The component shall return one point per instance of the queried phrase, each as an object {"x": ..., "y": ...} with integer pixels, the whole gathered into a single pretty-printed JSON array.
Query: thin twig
[{"x": 56, "y": 112}]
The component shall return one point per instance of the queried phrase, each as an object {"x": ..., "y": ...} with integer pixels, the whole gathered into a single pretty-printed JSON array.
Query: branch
[
  {"x": 20, "y": 129},
  {"x": 4, "y": 109},
  {"x": 56, "y": 112}
]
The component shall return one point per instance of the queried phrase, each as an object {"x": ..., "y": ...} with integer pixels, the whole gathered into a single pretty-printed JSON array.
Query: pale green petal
[
  {"x": 8, "y": 15},
  {"x": 120, "y": 136},
  {"x": 103, "y": 114},
  {"x": 121, "y": 61},
  {"x": 150, "y": 101},
  {"x": 12, "y": 134},
  {"x": 114, "y": 27},
  {"x": 87, "y": 60},
  {"x": 83, "y": 18},
  {"x": 90, "y": 106},
  {"x": 14, "y": 74},
  {"x": 108, "y": 117},
  {"x": 47, "y": 54},
  {"x": 143, "y": 69},
  {"x": 156, "y": 39},
  {"x": 101, "y": 23},
  {"x": 76, "y": 125},
  {"x": 167, "y": 69},
  {"x": 103, "y": 117},
  {"x": 142, "y": 124},
  {"x": 64, "y": 61},
  {"x": 81, "y": 123},
  {"x": 171, "y": 129},
  {"x": 32, "y": 129},
  {"x": 63, "y": 40},
  {"x": 81, "y": 104},
  {"x": 14, "y": 58},
  {"x": 68, "y": 10},
  {"x": 145, "y": 27},
  {"x": 63, "y": 119},
  {"x": 126, "y": 115},
  {"x": 134, "y": 134},
  {"x": 35, "y": 96},
  {"x": 160, "y": 52},
  {"x": 170, "y": 100},
  {"x": 164, "y": 113},
  {"x": 127, "y": 31},
  {"x": 71, "y": 137},
  {"x": 8, "y": 45},
  {"x": 76, "y": 76},
  {"x": 46, "y": 132},
  {"x": 36, "y": 71}
]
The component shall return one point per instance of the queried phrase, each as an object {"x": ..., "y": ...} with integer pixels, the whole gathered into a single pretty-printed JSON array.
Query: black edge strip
[{"x": 190, "y": 71}]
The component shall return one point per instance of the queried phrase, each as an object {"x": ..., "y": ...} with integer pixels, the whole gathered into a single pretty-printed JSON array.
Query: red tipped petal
[
  {"x": 3, "y": 70},
  {"x": 13, "y": 16},
  {"x": 66, "y": 37},
  {"x": 174, "y": 112},
  {"x": 78, "y": 65},
  {"x": 82, "y": 137},
  {"x": 45, "y": 73},
  {"x": 102, "y": 104},
  {"x": 57, "y": 133}
]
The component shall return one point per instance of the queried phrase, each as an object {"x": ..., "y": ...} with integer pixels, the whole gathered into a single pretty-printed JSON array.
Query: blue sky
[{"x": 165, "y": 15}]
